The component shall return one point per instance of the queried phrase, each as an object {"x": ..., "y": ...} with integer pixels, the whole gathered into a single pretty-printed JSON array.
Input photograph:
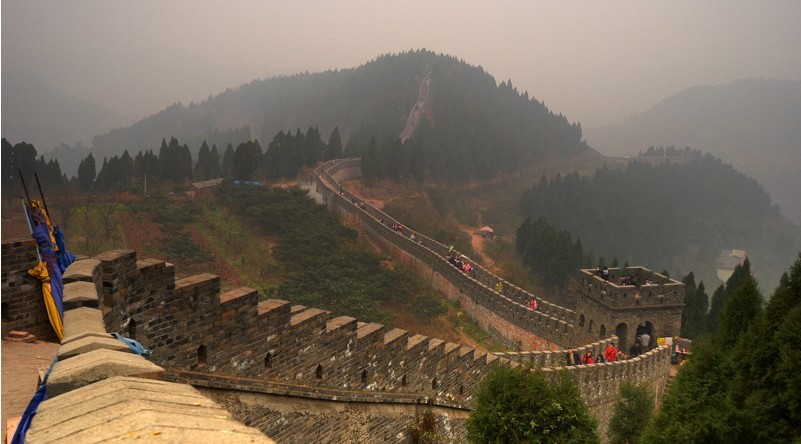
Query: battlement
[
  {"x": 232, "y": 341},
  {"x": 630, "y": 287},
  {"x": 234, "y": 347}
]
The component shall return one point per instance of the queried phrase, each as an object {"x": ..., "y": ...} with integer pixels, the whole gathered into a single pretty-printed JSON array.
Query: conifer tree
[
  {"x": 696, "y": 303},
  {"x": 227, "y": 164},
  {"x": 633, "y": 409},
  {"x": 739, "y": 276},
  {"x": 201, "y": 165},
  {"x": 742, "y": 384},
  {"x": 87, "y": 173},
  {"x": 334, "y": 148}
]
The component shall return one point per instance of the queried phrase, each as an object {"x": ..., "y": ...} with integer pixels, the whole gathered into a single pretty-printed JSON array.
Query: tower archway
[
  {"x": 622, "y": 333},
  {"x": 647, "y": 327}
]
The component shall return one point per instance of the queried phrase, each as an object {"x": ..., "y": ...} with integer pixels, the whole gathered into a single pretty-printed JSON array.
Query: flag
[{"x": 48, "y": 270}]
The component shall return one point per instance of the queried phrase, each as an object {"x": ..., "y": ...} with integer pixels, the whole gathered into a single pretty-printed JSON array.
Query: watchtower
[{"x": 629, "y": 302}]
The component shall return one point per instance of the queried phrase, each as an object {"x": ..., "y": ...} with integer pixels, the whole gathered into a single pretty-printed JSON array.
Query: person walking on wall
[
  {"x": 572, "y": 357},
  {"x": 610, "y": 353},
  {"x": 645, "y": 342}
]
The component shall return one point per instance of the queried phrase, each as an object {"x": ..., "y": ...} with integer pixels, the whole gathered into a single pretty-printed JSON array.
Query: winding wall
[{"x": 294, "y": 371}]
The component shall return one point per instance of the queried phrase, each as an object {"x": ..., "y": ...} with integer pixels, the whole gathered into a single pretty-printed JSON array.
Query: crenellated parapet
[
  {"x": 23, "y": 307},
  {"x": 631, "y": 287},
  {"x": 225, "y": 343}
]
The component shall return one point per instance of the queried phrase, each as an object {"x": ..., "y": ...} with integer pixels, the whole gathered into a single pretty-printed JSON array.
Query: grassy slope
[{"x": 242, "y": 256}]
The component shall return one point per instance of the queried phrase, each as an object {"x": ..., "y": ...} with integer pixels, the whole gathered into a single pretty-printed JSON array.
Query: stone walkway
[{"x": 20, "y": 363}]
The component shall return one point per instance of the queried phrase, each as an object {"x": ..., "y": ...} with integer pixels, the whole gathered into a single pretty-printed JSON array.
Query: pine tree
[
  {"x": 87, "y": 173},
  {"x": 696, "y": 304},
  {"x": 632, "y": 411},
  {"x": 722, "y": 295},
  {"x": 202, "y": 160},
  {"x": 227, "y": 164},
  {"x": 334, "y": 148}
]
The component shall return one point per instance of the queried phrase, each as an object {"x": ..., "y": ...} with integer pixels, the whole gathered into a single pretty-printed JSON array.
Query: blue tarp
[
  {"x": 33, "y": 406},
  {"x": 135, "y": 346},
  {"x": 65, "y": 258}
]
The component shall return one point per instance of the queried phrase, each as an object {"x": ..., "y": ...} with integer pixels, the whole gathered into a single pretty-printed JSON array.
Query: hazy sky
[{"x": 597, "y": 62}]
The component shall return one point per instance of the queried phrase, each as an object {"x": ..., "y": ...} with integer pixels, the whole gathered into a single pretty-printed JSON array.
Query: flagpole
[
  {"x": 41, "y": 193},
  {"x": 30, "y": 227}
]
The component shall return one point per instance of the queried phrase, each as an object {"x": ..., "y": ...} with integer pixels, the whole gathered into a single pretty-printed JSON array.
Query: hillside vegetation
[
  {"x": 472, "y": 126},
  {"x": 278, "y": 241},
  {"x": 752, "y": 124},
  {"x": 673, "y": 216}
]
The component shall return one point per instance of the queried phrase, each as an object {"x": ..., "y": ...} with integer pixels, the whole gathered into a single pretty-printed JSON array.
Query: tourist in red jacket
[{"x": 610, "y": 353}]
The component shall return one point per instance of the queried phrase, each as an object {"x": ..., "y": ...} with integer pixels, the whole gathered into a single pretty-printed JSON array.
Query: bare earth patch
[{"x": 144, "y": 236}]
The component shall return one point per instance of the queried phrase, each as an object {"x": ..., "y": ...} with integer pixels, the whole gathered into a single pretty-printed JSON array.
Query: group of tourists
[
  {"x": 358, "y": 203},
  {"x": 611, "y": 354},
  {"x": 460, "y": 261}
]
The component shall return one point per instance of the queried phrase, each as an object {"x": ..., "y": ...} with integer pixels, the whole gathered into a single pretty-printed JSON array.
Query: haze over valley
[{"x": 472, "y": 159}]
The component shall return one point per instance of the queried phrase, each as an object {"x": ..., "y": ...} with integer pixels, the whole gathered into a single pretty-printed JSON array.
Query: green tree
[
  {"x": 18, "y": 158},
  {"x": 723, "y": 294},
  {"x": 741, "y": 384},
  {"x": 313, "y": 145},
  {"x": 739, "y": 313},
  {"x": 87, "y": 173},
  {"x": 246, "y": 160},
  {"x": 633, "y": 410},
  {"x": 201, "y": 167},
  {"x": 227, "y": 164},
  {"x": 696, "y": 303},
  {"x": 518, "y": 405},
  {"x": 334, "y": 148},
  {"x": 175, "y": 161},
  {"x": 767, "y": 386},
  {"x": 212, "y": 165},
  {"x": 697, "y": 408}
]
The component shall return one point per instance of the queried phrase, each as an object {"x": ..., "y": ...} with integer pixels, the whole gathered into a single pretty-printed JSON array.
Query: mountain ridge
[{"x": 750, "y": 123}]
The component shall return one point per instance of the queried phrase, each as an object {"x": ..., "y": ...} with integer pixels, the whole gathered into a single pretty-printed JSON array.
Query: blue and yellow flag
[{"x": 48, "y": 270}]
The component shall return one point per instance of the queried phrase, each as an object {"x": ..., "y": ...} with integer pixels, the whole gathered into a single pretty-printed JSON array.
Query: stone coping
[{"x": 125, "y": 408}]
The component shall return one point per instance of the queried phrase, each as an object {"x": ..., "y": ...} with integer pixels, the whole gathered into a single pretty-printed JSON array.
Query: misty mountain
[
  {"x": 35, "y": 113},
  {"x": 752, "y": 124},
  {"x": 470, "y": 120},
  {"x": 678, "y": 213}
]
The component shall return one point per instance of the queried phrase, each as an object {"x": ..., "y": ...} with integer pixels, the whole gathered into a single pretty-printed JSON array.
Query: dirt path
[{"x": 20, "y": 362}]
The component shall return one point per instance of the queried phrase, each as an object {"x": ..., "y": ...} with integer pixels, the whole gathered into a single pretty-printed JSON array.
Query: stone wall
[
  {"x": 233, "y": 341},
  {"x": 23, "y": 306},
  {"x": 550, "y": 327},
  {"x": 99, "y": 391},
  {"x": 295, "y": 371}
]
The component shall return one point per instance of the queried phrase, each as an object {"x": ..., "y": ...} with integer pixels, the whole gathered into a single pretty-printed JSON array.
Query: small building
[
  {"x": 203, "y": 189},
  {"x": 728, "y": 261},
  {"x": 487, "y": 232}
]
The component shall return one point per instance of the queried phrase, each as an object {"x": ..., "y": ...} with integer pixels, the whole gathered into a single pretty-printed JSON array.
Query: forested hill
[
  {"x": 471, "y": 124},
  {"x": 752, "y": 124},
  {"x": 676, "y": 216}
]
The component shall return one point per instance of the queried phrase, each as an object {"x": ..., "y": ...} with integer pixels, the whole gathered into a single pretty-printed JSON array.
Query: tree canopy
[
  {"x": 742, "y": 383},
  {"x": 518, "y": 405}
]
